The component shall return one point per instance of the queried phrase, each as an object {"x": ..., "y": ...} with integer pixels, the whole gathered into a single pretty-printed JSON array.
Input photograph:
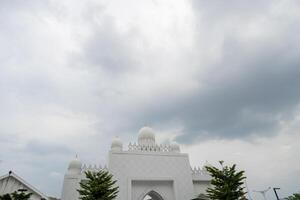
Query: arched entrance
[{"x": 152, "y": 195}]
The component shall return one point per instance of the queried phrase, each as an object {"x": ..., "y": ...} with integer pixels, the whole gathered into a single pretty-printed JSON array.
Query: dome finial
[
  {"x": 116, "y": 144},
  {"x": 146, "y": 136},
  {"x": 75, "y": 166}
]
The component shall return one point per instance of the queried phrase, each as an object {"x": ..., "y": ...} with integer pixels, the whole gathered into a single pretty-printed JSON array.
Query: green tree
[
  {"x": 21, "y": 195},
  {"x": 5, "y": 197},
  {"x": 201, "y": 197},
  {"x": 98, "y": 186},
  {"x": 17, "y": 195},
  {"x": 227, "y": 183},
  {"x": 294, "y": 197}
]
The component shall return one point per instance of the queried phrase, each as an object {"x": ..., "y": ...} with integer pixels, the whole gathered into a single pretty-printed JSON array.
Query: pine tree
[
  {"x": 5, "y": 197},
  {"x": 21, "y": 195},
  {"x": 98, "y": 186},
  {"x": 227, "y": 183},
  {"x": 17, "y": 195},
  {"x": 294, "y": 197},
  {"x": 201, "y": 197}
]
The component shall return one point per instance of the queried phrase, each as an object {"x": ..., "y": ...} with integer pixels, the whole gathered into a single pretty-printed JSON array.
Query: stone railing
[
  {"x": 93, "y": 167},
  {"x": 198, "y": 170},
  {"x": 149, "y": 148}
]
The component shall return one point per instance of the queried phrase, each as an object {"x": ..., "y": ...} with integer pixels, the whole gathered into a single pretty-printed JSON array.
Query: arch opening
[{"x": 152, "y": 195}]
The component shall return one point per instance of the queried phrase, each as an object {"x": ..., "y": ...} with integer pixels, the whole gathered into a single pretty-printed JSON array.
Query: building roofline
[{"x": 12, "y": 174}]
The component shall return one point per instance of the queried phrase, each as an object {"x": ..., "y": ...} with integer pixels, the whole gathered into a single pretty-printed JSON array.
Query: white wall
[
  {"x": 158, "y": 166},
  {"x": 200, "y": 187}
]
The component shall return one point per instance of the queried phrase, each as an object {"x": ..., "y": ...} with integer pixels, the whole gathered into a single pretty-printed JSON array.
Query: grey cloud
[
  {"x": 247, "y": 90},
  {"x": 245, "y": 108},
  {"x": 231, "y": 8},
  {"x": 43, "y": 148},
  {"x": 252, "y": 89},
  {"x": 108, "y": 49}
]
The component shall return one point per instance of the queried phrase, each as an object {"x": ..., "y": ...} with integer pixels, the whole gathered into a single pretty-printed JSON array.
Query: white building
[
  {"x": 11, "y": 182},
  {"x": 144, "y": 170}
]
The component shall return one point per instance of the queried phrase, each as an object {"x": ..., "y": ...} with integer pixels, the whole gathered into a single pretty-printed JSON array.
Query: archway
[{"x": 152, "y": 195}]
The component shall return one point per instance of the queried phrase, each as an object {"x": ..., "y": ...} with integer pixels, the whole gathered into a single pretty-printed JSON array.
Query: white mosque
[{"x": 145, "y": 170}]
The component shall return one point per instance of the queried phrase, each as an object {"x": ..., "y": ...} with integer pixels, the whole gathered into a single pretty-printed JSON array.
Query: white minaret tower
[{"x": 71, "y": 181}]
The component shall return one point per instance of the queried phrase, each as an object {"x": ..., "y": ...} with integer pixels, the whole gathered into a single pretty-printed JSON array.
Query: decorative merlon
[
  {"x": 94, "y": 167},
  {"x": 198, "y": 170},
  {"x": 150, "y": 148}
]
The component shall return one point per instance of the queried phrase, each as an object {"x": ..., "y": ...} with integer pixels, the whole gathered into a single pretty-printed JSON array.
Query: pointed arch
[{"x": 154, "y": 195}]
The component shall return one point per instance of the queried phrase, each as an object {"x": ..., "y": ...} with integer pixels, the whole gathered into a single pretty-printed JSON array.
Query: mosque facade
[{"x": 144, "y": 170}]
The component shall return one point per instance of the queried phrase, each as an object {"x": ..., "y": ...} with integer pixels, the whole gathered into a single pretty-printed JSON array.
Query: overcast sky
[{"x": 220, "y": 77}]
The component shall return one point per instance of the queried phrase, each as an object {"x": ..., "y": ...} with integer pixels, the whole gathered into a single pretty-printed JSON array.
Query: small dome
[
  {"x": 75, "y": 166},
  {"x": 175, "y": 147},
  {"x": 146, "y": 136},
  {"x": 116, "y": 144}
]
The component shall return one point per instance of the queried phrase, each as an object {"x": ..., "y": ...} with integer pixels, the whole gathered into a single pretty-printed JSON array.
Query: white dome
[
  {"x": 146, "y": 133},
  {"x": 175, "y": 147},
  {"x": 116, "y": 144},
  {"x": 146, "y": 136},
  {"x": 75, "y": 166}
]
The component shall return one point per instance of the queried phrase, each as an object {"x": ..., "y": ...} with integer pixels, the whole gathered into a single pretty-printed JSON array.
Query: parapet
[{"x": 134, "y": 147}]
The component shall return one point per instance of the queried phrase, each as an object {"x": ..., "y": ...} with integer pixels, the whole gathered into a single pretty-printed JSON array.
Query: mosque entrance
[
  {"x": 152, "y": 190},
  {"x": 152, "y": 195}
]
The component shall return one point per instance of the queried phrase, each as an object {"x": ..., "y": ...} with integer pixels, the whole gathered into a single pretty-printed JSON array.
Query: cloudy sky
[{"x": 220, "y": 77}]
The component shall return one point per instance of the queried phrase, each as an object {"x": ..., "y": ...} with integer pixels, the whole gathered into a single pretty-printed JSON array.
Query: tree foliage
[
  {"x": 20, "y": 195},
  {"x": 201, "y": 197},
  {"x": 5, "y": 197},
  {"x": 227, "y": 183},
  {"x": 16, "y": 195},
  {"x": 98, "y": 186},
  {"x": 294, "y": 197}
]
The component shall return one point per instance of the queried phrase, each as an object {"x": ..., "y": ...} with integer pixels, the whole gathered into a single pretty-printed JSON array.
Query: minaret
[{"x": 71, "y": 181}]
